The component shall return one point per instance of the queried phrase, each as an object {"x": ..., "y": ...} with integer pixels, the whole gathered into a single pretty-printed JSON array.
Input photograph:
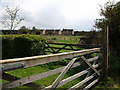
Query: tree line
[{"x": 111, "y": 13}]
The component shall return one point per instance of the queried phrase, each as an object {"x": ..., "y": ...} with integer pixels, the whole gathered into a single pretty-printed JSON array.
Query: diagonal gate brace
[
  {"x": 57, "y": 81},
  {"x": 91, "y": 70},
  {"x": 85, "y": 60}
]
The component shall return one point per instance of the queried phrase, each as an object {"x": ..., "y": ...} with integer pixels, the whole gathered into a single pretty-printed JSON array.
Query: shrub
[
  {"x": 14, "y": 46},
  {"x": 7, "y": 46}
]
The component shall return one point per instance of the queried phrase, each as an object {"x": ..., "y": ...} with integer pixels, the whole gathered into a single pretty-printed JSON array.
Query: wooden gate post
[{"x": 105, "y": 51}]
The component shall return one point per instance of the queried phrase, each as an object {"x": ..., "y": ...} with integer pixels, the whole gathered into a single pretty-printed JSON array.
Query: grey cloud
[{"x": 50, "y": 17}]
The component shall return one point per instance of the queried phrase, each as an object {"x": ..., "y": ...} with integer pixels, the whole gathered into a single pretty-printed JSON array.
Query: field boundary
[{"x": 73, "y": 47}]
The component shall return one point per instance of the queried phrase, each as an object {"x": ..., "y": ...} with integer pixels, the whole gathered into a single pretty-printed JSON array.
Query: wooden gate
[
  {"x": 90, "y": 75},
  {"x": 58, "y": 47}
]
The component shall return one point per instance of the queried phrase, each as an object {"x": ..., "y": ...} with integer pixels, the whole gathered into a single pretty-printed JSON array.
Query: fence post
[{"x": 105, "y": 51}]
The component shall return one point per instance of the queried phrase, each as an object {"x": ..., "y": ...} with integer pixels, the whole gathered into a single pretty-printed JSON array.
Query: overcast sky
[{"x": 56, "y": 14}]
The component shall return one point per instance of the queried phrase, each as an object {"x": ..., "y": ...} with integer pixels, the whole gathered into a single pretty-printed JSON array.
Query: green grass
[
  {"x": 60, "y": 46},
  {"x": 110, "y": 82},
  {"x": 25, "y": 72},
  {"x": 63, "y": 39},
  {"x": 21, "y": 73}
]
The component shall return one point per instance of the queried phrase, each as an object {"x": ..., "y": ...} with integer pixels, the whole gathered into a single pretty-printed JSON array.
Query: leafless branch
[{"x": 11, "y": 19}]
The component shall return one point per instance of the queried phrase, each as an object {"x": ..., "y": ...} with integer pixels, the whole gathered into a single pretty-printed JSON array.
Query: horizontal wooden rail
[
  {"x": 91, "y": 84},
  {"x": 84, "y": 46},
  {"x": 84, "y": 81},
  {"x": 93, "y": 59},
  {"x": 85, "y": 60},
  {"x": 76, "y": 58},
  {"x": 11, "y": 66},
  {"x": 11, "y": 78},
  {"x": 37, "y": 60},
  {"x": 75, "y": 76},
  {"x": 29, "y": 79}
]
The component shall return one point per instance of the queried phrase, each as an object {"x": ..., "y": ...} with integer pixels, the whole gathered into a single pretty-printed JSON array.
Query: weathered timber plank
[
  {"x": 29, "y": 79},
  {"x": 11, "y": 66},
  {"x": 37, "y": 60},
  {"x": 83, "y": 81},
  {"x": 93, "y": 59},
  {"x": 74, "y": 76},
  {"x": 91, "y": 84},
  {"x": 88, "y": 74},
  {"x": 38, "y": 76},
  {"x": 11, "y": 78},
  {"x": 85, "y": 60},
  {"x": 56, "y": 82}
]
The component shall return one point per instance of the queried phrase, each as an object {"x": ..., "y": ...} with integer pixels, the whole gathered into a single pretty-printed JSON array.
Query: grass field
[
  {"x": 112, "y": 81},
  {"x": 21, "y": 73},
  {"x": 63, "y": 39}
]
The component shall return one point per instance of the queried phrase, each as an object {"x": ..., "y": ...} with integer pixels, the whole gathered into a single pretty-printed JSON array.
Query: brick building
[{"x": 67, "y": 32}]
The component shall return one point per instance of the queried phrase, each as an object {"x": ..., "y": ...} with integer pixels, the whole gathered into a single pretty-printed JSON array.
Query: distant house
[
  {"x": 37, "y": 31},
  {"x": 49, "y": 32},
  {"x": 24, "y": 30},
  {"x": 64, "y": 32},
  {"x": 71, "y": 32},
  {"x": 67, "y": 32},
  {"x": 52, "y": 32},
  {"x": 57, "y": 32}
]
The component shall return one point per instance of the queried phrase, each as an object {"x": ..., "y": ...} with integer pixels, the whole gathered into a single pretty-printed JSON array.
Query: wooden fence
[
  {"x": 53, "y": 47},
  {"x": 91, "y": 74}
]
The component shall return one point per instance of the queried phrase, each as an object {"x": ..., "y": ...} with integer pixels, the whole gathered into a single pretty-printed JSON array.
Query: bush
[
  {"x": 14, "y": 46},
  {"x": 7, "y": 46}
]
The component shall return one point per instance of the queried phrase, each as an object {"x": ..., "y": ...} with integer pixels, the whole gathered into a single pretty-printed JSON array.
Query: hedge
[{"x": 16, "y": 46}]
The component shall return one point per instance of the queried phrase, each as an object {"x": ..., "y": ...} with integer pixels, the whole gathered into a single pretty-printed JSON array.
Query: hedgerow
[{"x": 15, "y": 46}]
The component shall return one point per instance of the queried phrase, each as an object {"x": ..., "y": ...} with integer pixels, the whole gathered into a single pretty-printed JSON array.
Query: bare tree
[{"x": 11, "y": 19}]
